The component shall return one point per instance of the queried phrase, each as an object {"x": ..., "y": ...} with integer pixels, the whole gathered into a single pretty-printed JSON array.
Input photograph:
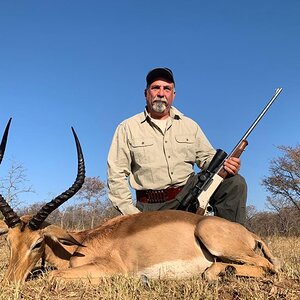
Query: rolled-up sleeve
[{"x": 118, "y": 170}]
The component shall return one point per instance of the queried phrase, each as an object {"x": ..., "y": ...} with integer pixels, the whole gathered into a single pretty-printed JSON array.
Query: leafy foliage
[{"x": 284, "y": 180}]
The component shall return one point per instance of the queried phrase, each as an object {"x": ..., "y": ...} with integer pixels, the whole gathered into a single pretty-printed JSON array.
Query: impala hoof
[
  {"x": 210, "y": 276},
  {"x": 145, "y": 281}
]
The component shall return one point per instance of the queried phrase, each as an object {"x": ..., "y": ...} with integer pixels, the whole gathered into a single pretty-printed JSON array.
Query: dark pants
[{"x": 228, "y": 201}]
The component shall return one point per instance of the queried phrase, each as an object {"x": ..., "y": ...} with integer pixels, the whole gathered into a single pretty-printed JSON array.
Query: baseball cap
[{"x": 165, "y": 73}]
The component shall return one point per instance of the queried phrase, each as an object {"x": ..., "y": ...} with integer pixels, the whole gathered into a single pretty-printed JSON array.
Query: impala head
[{"x": 26, "y": 235}]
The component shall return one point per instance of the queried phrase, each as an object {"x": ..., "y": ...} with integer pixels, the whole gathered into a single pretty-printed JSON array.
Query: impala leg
[
  {"x": 91, "y": 273},
  {"x": 246, "y": 270},
  {"x": 259, "y": 261},
  {"x": 214, "y": 271},
  {"x": 233, "y": 243},
  {"x": 276, "y": 263},
  {"x": 218, "y": 268},
  {"x": 88, "y": 273}
]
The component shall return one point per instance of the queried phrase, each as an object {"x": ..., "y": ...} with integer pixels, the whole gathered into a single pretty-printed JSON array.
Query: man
[{"x": 157, "y": 149}]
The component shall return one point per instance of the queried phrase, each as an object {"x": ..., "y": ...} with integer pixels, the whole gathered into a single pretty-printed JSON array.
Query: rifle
[{"x": 196, "y": 198}]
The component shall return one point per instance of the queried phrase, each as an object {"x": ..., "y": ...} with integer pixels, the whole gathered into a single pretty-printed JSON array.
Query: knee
[
  {"x": 233, "y": 189},
  {"x": 236, "y": 182}
]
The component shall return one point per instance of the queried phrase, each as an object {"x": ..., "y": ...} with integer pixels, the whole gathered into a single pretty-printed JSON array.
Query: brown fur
[{"x": 154, "y": 244}]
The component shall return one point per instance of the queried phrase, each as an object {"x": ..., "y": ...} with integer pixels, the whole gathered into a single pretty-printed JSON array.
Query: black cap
[{"x": 165, "y": 73}]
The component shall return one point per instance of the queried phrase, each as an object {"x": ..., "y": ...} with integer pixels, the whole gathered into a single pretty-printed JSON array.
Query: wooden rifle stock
[{"x": 236, "y": 153}]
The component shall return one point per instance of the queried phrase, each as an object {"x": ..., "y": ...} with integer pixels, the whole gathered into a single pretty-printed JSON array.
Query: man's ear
[{"x": 145, "y": 92}]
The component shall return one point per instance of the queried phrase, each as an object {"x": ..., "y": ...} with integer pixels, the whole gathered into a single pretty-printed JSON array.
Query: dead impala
[{"x": 171, "y": 244}]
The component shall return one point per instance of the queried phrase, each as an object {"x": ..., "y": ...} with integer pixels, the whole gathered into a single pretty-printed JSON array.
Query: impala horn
[
  {"x": 4, "y": 140},
  {"x": 10, "y": 217},
  {"x": 37, "y": 220}
]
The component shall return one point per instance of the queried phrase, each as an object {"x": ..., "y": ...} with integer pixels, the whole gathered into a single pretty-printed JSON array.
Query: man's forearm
[{"x": 120, "y": 196}]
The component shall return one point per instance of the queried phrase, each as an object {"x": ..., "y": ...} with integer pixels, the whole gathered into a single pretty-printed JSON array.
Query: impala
[{"x": 173, "y": 244}]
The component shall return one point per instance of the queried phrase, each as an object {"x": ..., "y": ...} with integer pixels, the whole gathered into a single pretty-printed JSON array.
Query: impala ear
[
  {"x": 60, "y": 235},
  {"x": 3, "y": 227},
  {"x": 69, "y": 241}
]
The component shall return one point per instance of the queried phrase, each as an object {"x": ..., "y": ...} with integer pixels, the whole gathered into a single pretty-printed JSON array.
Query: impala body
[{"x": 171, "y": 244}]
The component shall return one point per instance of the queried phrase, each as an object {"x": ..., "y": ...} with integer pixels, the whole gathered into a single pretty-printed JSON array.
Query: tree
[
  {"x": 14, "y": 184},
  {"x": 284, "y": 180},
  {"x": 90, "y": 208},
  {"x": 93, "y": 203}
]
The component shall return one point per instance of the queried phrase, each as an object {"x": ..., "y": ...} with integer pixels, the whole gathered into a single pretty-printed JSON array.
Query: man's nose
[{"x": 161, "y": 92}]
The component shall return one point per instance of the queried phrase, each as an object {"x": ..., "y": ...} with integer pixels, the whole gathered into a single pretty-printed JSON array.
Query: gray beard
[{"x": 159, "y": 106}]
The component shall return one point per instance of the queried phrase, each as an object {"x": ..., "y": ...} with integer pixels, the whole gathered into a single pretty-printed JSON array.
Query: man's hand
[{"x": 232, "y": 165}]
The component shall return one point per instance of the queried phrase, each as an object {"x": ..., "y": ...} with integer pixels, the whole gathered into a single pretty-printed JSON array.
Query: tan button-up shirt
[{"x": 152, "y": 159}]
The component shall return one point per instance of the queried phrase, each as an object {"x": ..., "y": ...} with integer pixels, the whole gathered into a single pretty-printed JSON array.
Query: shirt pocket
[
  {"x": 186, "y": 147},
  {"x": 142, "y": 150}
]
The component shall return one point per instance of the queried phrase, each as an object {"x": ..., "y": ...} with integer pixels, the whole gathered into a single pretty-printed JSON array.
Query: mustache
[{"x": 159, "y": 99}]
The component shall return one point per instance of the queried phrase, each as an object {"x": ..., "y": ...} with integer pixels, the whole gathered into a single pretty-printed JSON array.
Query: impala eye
[{"x": 37, "y": 245}]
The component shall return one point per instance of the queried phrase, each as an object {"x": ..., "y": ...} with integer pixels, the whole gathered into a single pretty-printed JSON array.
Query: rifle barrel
[{"x": 277, "y": 92}]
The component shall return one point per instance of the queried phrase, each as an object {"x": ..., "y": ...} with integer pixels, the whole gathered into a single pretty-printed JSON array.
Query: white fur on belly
[{"x": 176, "y": 269}]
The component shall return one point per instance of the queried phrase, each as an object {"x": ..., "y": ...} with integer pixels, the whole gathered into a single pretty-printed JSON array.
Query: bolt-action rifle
[{"x": 196, "y": 193}]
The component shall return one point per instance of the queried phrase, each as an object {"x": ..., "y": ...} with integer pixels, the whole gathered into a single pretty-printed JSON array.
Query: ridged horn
[
  {"x": 4, "y": 140},
  {"x": 10, "y": 217},
  {"x": 37, "y": 220}
]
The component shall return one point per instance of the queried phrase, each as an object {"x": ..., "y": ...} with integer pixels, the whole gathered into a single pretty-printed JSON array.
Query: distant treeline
[{"x": 285, "y": 222}]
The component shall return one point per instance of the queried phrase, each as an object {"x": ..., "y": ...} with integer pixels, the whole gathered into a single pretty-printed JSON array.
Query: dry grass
[{"x": 284, "y": 286}]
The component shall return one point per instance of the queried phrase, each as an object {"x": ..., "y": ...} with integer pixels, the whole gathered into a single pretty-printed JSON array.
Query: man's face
[{"x": 159, "y": 97}]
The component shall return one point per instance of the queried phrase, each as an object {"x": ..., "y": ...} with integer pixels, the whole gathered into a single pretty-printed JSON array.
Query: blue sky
[{"x": 83, "y": 64}]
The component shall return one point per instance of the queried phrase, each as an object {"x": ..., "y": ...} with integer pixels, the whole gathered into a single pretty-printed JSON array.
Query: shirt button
[
  {"x": 171, "y": 173},
  {"x": 169, "y": 156},
  {"x": 166, "y": 141}
]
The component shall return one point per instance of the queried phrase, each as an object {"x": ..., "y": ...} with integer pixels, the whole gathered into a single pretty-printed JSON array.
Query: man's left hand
[{"x": 232, "y": 165}]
